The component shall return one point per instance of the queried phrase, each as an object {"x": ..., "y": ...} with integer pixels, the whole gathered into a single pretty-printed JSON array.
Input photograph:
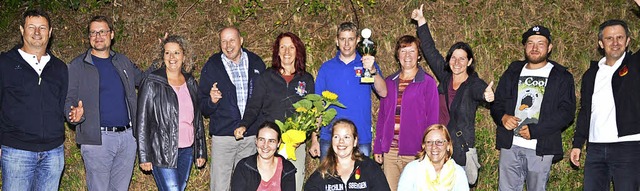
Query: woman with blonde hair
[
  {"x": 170, "y": 129},
  {"x": 434, "y": 169}
]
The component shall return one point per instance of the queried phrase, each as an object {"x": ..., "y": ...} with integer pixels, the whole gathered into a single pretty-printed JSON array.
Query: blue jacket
[
  {"x": 225, "y": 115},
  {"x": 556, "y": 112},
  {"x": 32, "y": 107}
]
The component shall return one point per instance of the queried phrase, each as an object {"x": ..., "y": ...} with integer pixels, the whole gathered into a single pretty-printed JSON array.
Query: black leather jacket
[{"x": 158, "y": 121}]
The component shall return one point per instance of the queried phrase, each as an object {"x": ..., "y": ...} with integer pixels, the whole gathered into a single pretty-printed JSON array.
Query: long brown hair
[
  {"x": 329, "y": 164},
  {"x": 301, "y": 53},
  {"x": 421, "y": 155}
]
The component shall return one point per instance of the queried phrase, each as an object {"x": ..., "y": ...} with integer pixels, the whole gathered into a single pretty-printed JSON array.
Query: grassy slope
[{"x": 492, "y": 27}]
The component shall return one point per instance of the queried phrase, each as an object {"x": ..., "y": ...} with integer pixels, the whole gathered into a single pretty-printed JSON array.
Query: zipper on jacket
[{"x": 125, "y": 74}]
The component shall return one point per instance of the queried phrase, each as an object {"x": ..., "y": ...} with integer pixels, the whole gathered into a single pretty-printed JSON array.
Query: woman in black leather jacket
[
  {"x": 170, "y": 129},
  {"x": 461, "y": 91}
]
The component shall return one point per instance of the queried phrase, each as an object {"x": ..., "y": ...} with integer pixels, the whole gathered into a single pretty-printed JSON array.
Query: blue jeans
[
  {"x": 28, "y": 170},
  {"x": 169, "y": 179},
  {"x": 325, "y": 144},
  {"x": 617, "y": 162}
]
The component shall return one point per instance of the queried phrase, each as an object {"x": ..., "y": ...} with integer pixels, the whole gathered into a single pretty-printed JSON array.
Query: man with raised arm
[{"x": 340, "y": 75}]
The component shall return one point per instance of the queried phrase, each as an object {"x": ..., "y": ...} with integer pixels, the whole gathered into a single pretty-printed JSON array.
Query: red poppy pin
[
  {"x": 623, "y": 71},
  {"x": 358, "y": 173}
]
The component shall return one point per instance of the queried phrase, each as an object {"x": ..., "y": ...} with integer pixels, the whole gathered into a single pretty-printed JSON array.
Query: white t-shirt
[{"x": 531, "y": 88}]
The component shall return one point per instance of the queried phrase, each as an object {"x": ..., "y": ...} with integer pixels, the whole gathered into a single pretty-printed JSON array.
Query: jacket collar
[
  {"x": 89, "y": 60},
  {"x": 15, "y": 55},
  {"x": 160, "y": 74},
  {"x": 419, "y": 76}
]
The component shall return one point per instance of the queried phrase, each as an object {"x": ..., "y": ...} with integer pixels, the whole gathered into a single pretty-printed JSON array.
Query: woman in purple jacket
[{"x": 410, "y": 107}]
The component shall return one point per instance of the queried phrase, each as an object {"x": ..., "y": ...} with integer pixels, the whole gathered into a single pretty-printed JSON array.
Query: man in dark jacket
[
  {"x": 608, "y": 117},
  {"x": 534, "y": 103},
  {"x": 105, "y": 82},
  {"x": 226, "y": 82},
  {"x": 33, "y": 87}
]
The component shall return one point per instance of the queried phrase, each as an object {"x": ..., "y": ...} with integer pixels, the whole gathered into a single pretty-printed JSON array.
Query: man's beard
[{"x": 537, "y": 60}]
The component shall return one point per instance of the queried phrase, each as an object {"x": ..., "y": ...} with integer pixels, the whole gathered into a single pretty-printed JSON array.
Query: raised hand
[
  {"x": 215, "y": 93},
  {"x": 367, "y": 62},
  {"x": 418, "y": 15},
  {"x": 488, "y": 92},
  {"x": 75, "y": 115}
]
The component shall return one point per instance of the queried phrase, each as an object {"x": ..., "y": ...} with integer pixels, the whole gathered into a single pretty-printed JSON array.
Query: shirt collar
[
  {"x": 229, "y": 62},
  {"x": 32, "y": 58},
  {"x": 603, "y": 62}
]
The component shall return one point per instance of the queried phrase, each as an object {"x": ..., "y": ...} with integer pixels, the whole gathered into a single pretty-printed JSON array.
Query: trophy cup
[{"x": 366, "y": 47}]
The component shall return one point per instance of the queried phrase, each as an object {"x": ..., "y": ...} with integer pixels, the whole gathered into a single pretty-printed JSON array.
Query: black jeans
[{"x": 617, "y": 162}]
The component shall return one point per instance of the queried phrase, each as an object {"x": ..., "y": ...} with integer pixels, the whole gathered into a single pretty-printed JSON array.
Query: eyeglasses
[
  {"x": 436, "y": 142},
  {"x": 101, "y": 33}
]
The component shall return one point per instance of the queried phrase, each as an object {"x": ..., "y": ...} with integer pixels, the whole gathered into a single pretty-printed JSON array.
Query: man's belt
[{"x": 115, "y": 128}]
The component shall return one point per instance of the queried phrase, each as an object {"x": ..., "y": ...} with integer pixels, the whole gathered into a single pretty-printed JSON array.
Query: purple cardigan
[{"x": 419, "y": 110}]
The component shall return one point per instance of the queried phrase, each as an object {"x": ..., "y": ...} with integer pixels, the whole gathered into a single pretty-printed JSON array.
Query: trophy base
[{"x": 366, "y": 80}]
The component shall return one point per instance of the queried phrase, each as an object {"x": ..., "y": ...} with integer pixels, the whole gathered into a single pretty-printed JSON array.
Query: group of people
[{"x": 425, "y": 131}]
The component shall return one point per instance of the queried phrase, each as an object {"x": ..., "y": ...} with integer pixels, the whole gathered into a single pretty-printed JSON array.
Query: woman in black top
[
  {"x": 345, "y": 168},
  {"x": 461, "y": 91}
]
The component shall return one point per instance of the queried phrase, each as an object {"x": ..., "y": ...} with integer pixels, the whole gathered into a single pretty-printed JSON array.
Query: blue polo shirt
[
  {"x": 341, "y": 78},
  {"x": 113, "y": 107}
]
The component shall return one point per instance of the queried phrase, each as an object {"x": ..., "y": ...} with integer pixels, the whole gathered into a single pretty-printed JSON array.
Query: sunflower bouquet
[{"x": 311, "y": 111}]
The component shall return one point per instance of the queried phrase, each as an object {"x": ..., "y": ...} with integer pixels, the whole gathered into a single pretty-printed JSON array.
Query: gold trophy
[{"x": 366, "y": 47}]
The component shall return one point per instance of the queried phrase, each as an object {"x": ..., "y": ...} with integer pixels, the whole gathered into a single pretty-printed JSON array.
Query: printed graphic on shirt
[
  {"x": 301, "y": 90},
  {"x": 357, "y": 185},
  {"x": 530, "y": 95},
  {"x": 358, "y": 70},
  {"x": 334, "y": 187}
]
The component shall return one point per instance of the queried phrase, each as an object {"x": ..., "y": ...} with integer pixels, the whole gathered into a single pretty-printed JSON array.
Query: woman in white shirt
[{"x": 440, "y": 172}]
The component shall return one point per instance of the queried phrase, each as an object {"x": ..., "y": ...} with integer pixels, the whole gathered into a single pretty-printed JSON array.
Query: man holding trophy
[{"x": 352, "y": 76}]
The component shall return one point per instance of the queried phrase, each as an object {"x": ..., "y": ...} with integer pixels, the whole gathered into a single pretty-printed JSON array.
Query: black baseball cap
[{"x": 536, "y": 30}]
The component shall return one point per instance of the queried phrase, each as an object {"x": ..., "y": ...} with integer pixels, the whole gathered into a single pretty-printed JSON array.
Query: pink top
[
  {"x": 274, "y": 182},
  {"x": 185, "y": 119}
]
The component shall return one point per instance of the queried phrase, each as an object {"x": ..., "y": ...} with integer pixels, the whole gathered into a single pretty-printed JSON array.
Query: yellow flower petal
[
  {"x": 290, "y": 138},
  {"x": 329, "y": 95},
  {"x": 301, "y": 109}
]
